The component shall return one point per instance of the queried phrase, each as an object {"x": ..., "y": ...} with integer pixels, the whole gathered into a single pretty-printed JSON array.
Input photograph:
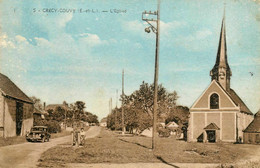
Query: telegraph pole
[
  {"x": 123, "y": 101},
  {"x": 156, "y": 30},
  {"x": 110, "y": 105},
  {"x": 116, "y": 109},
  {"x": 116, "y": 97}
]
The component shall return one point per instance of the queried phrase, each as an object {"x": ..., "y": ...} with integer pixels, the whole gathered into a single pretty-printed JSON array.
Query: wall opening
[
  {"x": 19, "y": 118},
  {"x": 214, "y": 101}
]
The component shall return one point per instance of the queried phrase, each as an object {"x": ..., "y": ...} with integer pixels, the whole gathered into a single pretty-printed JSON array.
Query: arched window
[{"x": 214, "y": 101}]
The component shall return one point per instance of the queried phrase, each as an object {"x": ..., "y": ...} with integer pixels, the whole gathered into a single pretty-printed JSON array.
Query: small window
[{"x": 214, "y": 101}]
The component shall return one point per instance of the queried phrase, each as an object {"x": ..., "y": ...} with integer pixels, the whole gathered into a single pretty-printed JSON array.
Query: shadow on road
[
  {"x": 163, "y": 161},
  {"x": 135, "y": 143}
]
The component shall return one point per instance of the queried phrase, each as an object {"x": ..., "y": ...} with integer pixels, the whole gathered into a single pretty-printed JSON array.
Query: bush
[
  {"x": 163, "y": 132},
  {"x": 53, "y": 126}
]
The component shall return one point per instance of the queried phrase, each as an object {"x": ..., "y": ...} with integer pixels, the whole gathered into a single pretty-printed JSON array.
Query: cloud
[
  {"x": 136, "y": 26},
  {"x": 91, "y": 39},
  {"x": 20, "y": 38},
  {"x": 167, "y": 27},
  {"x": 195, "y": 41},
  {"x": 202, "y": 34},
  {"x": 63, "y": 20},
  {"x": 5, "y": 42}
]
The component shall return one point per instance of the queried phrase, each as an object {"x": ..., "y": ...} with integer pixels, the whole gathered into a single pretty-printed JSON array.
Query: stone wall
[{"x": 10, "y": 118}]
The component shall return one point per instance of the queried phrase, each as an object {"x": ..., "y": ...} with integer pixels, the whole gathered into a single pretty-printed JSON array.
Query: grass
[{"x": 109, "y": 147}]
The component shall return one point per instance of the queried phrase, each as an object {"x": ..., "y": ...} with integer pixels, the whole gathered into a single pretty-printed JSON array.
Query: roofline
[
  {"x": 221, "y": 88},
  {"x": 31, "y": 102},
  {"x": 243, "y": 103},
  {"x": 11, "y": 97}
]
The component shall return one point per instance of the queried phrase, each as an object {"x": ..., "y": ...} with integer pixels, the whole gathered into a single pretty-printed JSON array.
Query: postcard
[{"x": 116, "y": 83}]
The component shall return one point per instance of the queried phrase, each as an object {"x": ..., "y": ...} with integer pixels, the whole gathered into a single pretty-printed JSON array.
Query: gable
[
  {"x": 211, "y": 126},
  {"x": 8, "y": 88},
  {"x": 254, "y": 126},
  {"x": 224, "y": 99}
]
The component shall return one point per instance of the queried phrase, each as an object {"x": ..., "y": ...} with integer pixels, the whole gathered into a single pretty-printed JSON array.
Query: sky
[{"x": 76, "y": 50}]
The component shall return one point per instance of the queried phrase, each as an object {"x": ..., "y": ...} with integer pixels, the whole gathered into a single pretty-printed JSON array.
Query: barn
[
  {"x": 16, "y": 109},
  {"x": 252, "y": 132}
]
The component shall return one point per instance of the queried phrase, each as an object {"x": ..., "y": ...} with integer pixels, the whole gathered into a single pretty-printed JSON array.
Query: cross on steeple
[{"x": 221, "y": 71}]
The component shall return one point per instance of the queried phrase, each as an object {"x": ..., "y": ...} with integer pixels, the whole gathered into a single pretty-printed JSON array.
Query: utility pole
[
  {"x": 123, "y": 101},
  {"x": 156, "y": 30},
  {"x": 116, "y": 109},
  {"x": 116, "y": 97},
  {"x": 110, "y": 105}
]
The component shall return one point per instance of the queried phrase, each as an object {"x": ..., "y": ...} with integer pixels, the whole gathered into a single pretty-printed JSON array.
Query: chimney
[{"x": 44, "y": 105}]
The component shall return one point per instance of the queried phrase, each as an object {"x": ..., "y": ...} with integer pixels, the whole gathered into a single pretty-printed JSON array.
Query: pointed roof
[
  {"x": 221, "y": 60},
  {"x": 211, "y": 88},
  {"x": 212, "y": 126},
  {"x": 254, "y": 126},
  {"x": 8, "y": 88},
  {"x": 239, "y": 102}
]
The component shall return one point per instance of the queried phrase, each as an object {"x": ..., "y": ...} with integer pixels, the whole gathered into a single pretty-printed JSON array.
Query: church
[{"x": 219, "y": 114}]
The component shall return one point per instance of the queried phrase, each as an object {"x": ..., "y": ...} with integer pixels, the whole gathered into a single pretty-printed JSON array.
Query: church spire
[{"x": 221, "y": 71}]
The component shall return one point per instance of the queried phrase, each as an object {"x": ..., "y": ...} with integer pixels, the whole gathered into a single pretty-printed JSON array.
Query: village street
[{"x": 27, "y": 154}]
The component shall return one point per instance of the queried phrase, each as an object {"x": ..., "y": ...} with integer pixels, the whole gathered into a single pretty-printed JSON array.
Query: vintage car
[{"x": 38, "y": 133}]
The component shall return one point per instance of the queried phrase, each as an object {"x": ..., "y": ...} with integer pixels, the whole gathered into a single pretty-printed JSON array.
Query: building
[
  {"x": 16, "y": 109},
  {"x": 219, "y": 114},
  {"x": 103, "y": 122},
  {"x": 172, "y": 125},
  {"x": 252, "y": 132},
  {"x": 54, "y": 106},
  {"x": 39, "y": 114}
]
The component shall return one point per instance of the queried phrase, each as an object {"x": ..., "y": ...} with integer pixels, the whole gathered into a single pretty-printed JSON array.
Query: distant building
[
  {"x": 252, "y": 132},
  {"x": 53, "y": 106},
  {"x": 103, "y": 122},
  {"x": 16, "y": 109},
  {"x": 39, "y": 114},
  {"x": 219, "y": 114},
  {"x": 172, "y": 125}
]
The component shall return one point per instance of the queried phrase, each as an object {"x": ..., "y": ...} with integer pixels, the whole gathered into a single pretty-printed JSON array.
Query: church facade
[{"x": 219, "y": 114}]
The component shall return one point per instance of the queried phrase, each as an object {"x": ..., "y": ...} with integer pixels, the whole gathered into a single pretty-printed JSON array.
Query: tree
[
  {"x": 58, "y": 114},
  {"x": 37, "y": 102},
  {"x": 78, "y": 109},
  {"x": 180, "y": 115},
  {"x": 139, "y": 107}
]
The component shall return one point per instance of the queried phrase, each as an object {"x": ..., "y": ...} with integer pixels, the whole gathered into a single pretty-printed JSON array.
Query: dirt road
[{"x": 27, "y": 154}]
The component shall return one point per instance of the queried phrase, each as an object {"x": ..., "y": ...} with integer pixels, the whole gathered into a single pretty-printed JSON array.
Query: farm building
[
  {"x": 219, "y": 114},
  {"x": 172, "y": 125},
  {"x": 16, "y": 109},
  {"x": 252, "y": 132}
]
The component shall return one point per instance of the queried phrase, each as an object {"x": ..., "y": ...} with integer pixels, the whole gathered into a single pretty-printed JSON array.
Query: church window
[{"x": 214, "y": 101}]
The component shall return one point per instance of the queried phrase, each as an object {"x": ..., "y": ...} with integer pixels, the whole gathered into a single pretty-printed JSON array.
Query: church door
[{"x": 211, "y": 135}]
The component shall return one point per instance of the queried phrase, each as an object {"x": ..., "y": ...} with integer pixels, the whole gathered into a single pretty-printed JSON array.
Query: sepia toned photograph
[{"x": 130, "y": 84}]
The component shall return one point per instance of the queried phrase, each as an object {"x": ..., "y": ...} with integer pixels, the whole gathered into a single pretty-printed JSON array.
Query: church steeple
[{"x": 221, "y": 71}]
